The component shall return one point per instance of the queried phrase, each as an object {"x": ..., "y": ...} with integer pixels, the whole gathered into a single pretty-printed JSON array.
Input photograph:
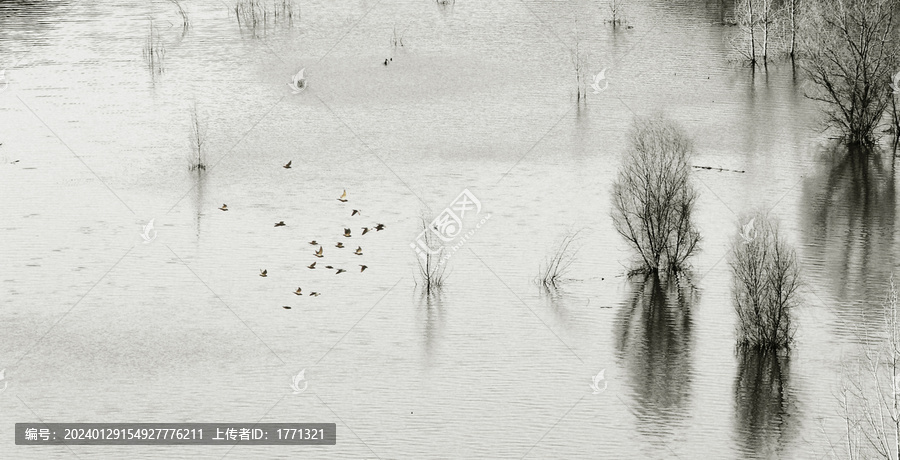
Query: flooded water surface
[{"x": 105, "y": 319}]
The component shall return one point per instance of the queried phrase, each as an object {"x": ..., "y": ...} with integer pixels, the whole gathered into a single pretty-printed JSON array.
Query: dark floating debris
[{"x": 719, "y": 169}]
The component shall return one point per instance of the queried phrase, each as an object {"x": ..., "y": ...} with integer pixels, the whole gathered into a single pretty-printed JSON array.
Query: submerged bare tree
[
  {"x": 579, "y": 58},
  {"x": 154, "y": 50},
  {"x": 853, "y": 48},
  {"x": 617, "y": 12},
  {"x": 870, "y": 393},
  {"x": 197, "y": 159},
  {"x": 431, "y": 261},
  {"x": 553, "y": 272},
  {"x": 653, "y": 198},
  {"x": 766, "y": 277}
]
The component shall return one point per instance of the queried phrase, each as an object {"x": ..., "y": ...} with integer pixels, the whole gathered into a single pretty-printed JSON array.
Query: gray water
[{"x": 99, "y": 326}]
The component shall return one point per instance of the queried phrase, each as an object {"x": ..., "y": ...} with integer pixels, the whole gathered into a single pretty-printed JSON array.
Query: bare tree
[
  {"x": 552, "y": 273},
  {"x": 653, "y": 198},
  {"x": 746, "y": 21},
  {"x": 617, "y": 12},
  {"x": 431, "y": 261},
  {"x": 766, "y": 277},
  {"x": 793, "y": 21},
  {"x": 852, "y": 50},
  {"x": 197, "y": 160},
  {"x": 579, "y": 58}
]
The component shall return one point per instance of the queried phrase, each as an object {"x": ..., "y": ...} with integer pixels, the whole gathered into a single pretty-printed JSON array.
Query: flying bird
[
  {"x": 298, "y": 82},
  {"x": 312, "y": 266},
  {"x": 319, "y": 252},
  {"x": 224, "y": 207},
  {"x": 339, "y": 271},
  {"x": 379, "y": 227},
  {"x": 329, "y": 267},
  {"x": 358, "y": 251},
  {"x": 597, "y": 79},
  {"x": 343, "y": 198},
  {"x": 286, "y": 307},
  {"x": 264, "y": 273},
  {"x": 339, "y": 245},
  {"x": 365, "y": 230},
  {"x": 280, "y": 224},
  {"x": 314, "y": 243},
  {"x": 288, "y": 165},
  {"x": 347, "y": 232},
  {"x": 355, "y": 212},
  {"x": 297, "y": 292},
  {"x": 314, "y": 293},
  {"x": 364, "y": 267}
]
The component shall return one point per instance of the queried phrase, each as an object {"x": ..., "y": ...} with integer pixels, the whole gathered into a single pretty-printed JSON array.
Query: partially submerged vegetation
[
  {"x": 154, "y": 51},
  {"x": 653, "y": 198},
  {"x": 579, "y": 59},
  {"x": 197, "y": 157},
  {"x": 766, "y": 277},
  {"x": 254, "y": 14},
  {"x": 854, "y": 47},
  {"x": 430, "y": 259},
  {"x": 553, "y": 272}
]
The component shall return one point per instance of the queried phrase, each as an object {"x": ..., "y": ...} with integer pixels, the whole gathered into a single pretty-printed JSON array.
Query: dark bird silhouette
[
  {"x": 347, "y": 232},
  {"x": 358, "y": 251},
  {"x": 339, "y": 245},
  {"x": 264, "y": 273},
  {"x": 297, "y": 292},
  {"x": 379, "y": 227},
  {"x": 319, "y": 252},
  {"x": 314, "y": 243},
  {"x": 355, "y": 212},
  {"x": 339, "y": 271},
  {"x": 365, "y": 230},
  {"x": 312, "y": 266},
  {"x": 224, "y": 207},
  {"x": 286, "y": 307},
  {"x": 343, "y": 198},
  {"x": 280, "y": 224},
  {"x": 288, "y": 165},
  {"x": 329, "y": 267},
  {"x": 314, "y": 293},
  {"x": 364, "y": 267},
  {"x": 385, "y": 62}
]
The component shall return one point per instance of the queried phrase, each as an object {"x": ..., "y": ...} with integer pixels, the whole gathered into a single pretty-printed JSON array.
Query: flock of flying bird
[{"x": 320, "y": 253}]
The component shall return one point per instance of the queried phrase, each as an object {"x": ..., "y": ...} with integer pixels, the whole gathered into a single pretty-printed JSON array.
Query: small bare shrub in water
[
  {"x": 766, "y": 277},
  {"x": 154, "y": 51},
  {"x": 553, "y": 272},
  {"x": 197, "y": 159},
  {"x": 432, "y": 267},
  {"x": 653, "y": 198}
]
